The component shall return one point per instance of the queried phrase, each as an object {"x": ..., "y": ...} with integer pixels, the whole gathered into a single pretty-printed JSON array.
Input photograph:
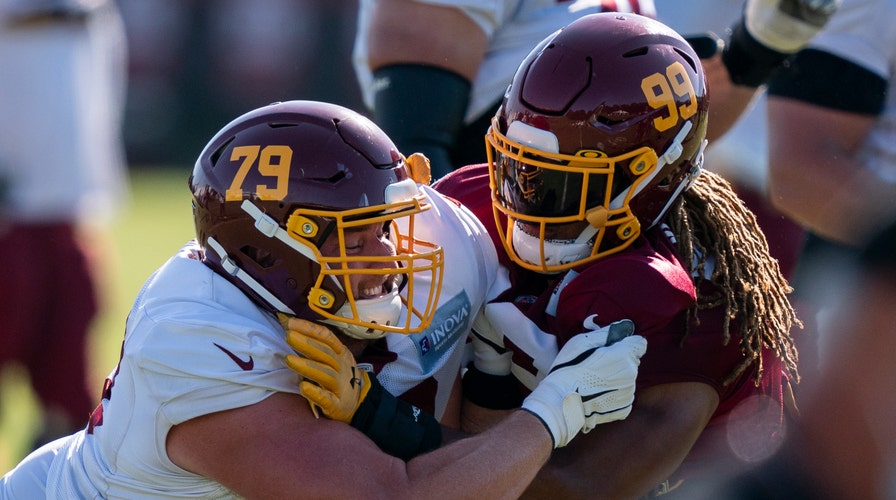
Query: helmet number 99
[
  {"x": 273, "y": 161},
  {"x": 661, "y": 91}
]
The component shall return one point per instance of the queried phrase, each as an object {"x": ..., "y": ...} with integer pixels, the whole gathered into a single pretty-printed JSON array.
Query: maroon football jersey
[{"x": 647, "y": 284}]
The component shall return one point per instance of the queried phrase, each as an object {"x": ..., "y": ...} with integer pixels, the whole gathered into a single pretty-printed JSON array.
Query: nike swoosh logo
[{"x": 244, "y": 365}]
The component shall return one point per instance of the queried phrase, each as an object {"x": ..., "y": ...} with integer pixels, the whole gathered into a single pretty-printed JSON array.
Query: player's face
[{"x": 371, "y": 240}]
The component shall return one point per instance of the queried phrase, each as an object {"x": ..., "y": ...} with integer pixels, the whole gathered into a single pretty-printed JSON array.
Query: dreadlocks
[{"x": 712, "y": 225}]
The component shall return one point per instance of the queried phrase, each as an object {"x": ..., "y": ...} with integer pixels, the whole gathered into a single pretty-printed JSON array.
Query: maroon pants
[{"x": 47, "y": 303}]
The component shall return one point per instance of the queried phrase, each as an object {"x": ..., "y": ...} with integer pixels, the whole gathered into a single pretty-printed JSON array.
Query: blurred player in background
[
  {"x": 306, "y": 212},
  {"x": 62, "y": 177},
  {"x": 832, "y": 132},
  {"x": 832, "y": 148},
  {"x": 433, "y": 72},
  {"x": 845, "y": 444},
  {"x": 740, "y": 154}
]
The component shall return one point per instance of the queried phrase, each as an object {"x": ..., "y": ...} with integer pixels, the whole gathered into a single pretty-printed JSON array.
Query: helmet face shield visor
[{"x": 533, "y": 186}]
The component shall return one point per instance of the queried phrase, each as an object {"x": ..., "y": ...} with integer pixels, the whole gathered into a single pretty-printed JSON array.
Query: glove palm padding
[{"x": 340, "y": 386}]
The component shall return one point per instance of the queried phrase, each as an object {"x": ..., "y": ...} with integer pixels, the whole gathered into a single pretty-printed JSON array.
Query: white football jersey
[
  {"x": 471, "y": 278},
  {"x": 514, "y": 27},
  {"x": 195, "y": 344},
  {"x": 861, "y": 32}
]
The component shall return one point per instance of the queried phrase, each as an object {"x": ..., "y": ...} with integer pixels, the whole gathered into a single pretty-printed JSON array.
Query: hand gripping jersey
[
  {"x": 195, "y": 344},
  {"x": 648, "y": 284},
  {"x": 513, "y": 28}
]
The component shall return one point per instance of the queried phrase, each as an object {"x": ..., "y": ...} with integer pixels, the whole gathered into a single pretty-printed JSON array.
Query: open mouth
[{"x": 386, "y": 288}]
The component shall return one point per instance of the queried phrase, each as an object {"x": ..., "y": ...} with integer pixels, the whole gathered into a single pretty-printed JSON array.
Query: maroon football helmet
[
  {"x": 602, "y": 126},
  {"x": 275, "y": 183}
]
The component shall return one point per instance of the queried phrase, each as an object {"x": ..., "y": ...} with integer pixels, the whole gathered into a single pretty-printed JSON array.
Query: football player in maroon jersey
[{"x": 594, "y": 192}]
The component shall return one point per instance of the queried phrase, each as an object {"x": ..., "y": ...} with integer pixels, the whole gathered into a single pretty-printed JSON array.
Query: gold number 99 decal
[
  {"x": 661, "y": 91},
  {"x": 273, "y": 161}
]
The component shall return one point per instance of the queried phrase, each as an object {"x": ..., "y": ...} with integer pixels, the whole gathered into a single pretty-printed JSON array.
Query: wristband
[
  {"x": 398, "y": 428},
  {"x": 748, "y": 61},
  {"x": 495, "y": 392},
  {"x": 422, "y": 109}
]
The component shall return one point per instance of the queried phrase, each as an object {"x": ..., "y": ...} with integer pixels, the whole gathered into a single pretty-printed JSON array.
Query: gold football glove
[
  {"x": 332, "y": 380},
  {"x": 333, "y": 383}
]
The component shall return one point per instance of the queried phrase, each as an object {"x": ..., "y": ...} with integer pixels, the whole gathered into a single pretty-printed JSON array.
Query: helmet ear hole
[{"x": 260, "y": 256}]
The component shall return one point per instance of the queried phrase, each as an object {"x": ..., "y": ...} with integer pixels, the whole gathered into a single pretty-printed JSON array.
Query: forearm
[
  {"x": 476, "y": 419},
  {"x": 729, "y": 100},
  {"x": 404, "y": 32},
  {"x": 423, "y": 75},
  {"x": 622, "y": 468},
  {"x": 498, "y": 463},
  {"x": 629, "y": 458},
  {"x": 816, "y": 176},
  {"x": 845, "y": 208}
]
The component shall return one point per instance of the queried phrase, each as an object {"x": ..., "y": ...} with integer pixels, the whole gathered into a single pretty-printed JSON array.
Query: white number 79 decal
[{"x": 273, "y": 161}]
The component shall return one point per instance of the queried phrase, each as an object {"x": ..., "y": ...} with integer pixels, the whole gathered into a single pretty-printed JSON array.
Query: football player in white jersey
[
  {"x": 832, "y": 115},
  {"x": 433, "y": 72},
  {"x": 832, "y": 152},
  {"x": 304, "y": 212},
  {"x": 63, "y": 177}
]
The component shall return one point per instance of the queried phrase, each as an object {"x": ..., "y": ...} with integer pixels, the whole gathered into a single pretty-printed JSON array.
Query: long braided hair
[{"x": 712, "y": 224}]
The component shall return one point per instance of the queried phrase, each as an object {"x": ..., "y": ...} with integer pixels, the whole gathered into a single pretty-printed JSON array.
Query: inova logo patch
[{"x": 451, "y": 322}]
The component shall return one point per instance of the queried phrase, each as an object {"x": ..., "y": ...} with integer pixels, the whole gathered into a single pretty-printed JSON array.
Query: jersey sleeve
[
  {"x": 196, "y": 369},
  {"x": 200, "y": 345}
]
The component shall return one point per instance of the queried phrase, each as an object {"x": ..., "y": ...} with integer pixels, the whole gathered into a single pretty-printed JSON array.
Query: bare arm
[
  {"x": 814, "y": 174},
  {"x": 728, "y": 100},
  {"x": 277, "y": 449},
  {"x": 404, "y": 31},
  {"x": 627, "y": 459}
]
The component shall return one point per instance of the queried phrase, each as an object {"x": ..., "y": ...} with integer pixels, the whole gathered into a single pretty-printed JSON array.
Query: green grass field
[{"x": 156, "y": 223}]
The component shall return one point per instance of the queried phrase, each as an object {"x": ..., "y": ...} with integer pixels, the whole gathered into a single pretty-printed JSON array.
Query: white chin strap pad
[
  {"x": 556, "y": 252},
  {"x": 385, "y": 310}
]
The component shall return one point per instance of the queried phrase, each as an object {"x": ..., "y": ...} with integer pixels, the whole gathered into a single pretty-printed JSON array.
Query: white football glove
[
  {"x": 589, "y": 383},
  {"x": 787, "y": 25}
]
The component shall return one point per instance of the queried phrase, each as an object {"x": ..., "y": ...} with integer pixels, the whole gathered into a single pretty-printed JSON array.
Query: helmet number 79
[
  {"x": 273, "y": 161},
  {"x": 662, "y": 90}
]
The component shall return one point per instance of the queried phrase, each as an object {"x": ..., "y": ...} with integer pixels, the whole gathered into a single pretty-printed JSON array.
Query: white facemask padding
[
  {"x": 384, "y": 310},
  {"x": 542, "y": 140},
  {"x": 556, "y": 252}
]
